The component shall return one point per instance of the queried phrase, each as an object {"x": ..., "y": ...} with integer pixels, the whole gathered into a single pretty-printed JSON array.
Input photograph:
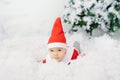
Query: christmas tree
[{"x": 93, "y": 14}]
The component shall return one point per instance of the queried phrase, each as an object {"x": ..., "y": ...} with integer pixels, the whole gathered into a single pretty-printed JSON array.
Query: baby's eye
[
  {"x": 51, "y": 50},
  {"x": 59, "y": 50}
]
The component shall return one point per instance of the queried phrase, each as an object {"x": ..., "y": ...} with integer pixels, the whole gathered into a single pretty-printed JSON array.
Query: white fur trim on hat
[{"x": 57, "y": 44}]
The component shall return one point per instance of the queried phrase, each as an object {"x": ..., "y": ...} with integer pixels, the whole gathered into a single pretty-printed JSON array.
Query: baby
[{"x": 58, "y": 49}]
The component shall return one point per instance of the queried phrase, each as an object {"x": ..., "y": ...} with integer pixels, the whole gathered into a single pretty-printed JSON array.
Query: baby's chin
[{"x": 58, "y": 60}]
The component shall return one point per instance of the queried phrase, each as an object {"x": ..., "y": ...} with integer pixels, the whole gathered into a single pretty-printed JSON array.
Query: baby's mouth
[{"x": 57, "y": 59}]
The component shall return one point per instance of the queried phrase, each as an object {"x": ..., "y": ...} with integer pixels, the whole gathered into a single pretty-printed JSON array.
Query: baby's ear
[{"x": 82, "y": 54}]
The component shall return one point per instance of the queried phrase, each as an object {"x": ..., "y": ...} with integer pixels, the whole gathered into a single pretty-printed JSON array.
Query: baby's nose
[{"x": 56, "y": 54}]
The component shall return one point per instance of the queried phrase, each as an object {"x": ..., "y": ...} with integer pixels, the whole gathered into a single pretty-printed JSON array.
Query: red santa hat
[{"x": 57, "y": 38}]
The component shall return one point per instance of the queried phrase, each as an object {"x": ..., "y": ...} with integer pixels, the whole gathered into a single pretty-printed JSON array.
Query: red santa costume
[{"x": 57, "y": 39}]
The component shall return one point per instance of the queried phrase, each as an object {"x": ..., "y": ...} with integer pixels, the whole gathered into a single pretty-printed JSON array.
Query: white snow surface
[
  {"x": 23, "y": 42},
  {"x": 19, "y": 56}
]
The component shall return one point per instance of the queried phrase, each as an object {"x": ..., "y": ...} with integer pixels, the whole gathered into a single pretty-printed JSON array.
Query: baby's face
[{"x": 57, "y": 53}]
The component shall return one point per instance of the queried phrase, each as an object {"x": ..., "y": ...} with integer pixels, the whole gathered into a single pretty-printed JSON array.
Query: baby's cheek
[
  {"x": 62, "y": 56},
  {"x": 51, "y": 55}
]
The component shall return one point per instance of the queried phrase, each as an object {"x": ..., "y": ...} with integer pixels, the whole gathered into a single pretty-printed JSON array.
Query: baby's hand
[
  {"x": 82, "y": 54},
  {"x": 38, "y": 61},
  {"x": 41, "y": 61}
]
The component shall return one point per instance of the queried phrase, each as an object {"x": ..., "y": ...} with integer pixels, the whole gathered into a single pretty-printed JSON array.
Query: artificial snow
[{"x": 19, "y": 59}]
